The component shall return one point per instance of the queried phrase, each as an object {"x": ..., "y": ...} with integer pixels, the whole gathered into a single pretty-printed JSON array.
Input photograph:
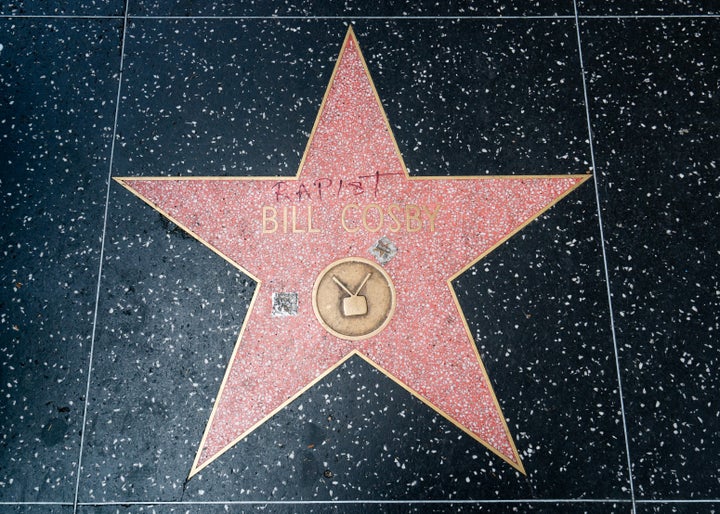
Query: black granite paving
[{"x": 597, "y": 323}]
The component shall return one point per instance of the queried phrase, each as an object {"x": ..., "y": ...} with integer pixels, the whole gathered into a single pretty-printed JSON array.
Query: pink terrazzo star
[{"x": 352, "y": 189}]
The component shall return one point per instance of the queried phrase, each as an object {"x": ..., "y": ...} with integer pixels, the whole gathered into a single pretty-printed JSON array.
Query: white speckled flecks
[{"x": 286, "y": 231}]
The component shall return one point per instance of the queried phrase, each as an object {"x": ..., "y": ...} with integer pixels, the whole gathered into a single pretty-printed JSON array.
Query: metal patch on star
[
  {"x": 284, "y": 304},
  {"x": 383, "y": 250}
]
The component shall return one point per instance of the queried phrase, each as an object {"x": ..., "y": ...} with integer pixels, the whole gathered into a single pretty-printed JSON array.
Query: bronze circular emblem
[{"x": 353, "y": 298}]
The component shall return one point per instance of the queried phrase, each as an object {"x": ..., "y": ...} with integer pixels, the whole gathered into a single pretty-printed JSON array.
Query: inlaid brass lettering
[
  {"x": 395, "y": 218},
  {"x": 269, "y": 215},
  {"x": 372, "y": 217},
  {"x": 292, "y": 220},
  {"x": 342, "y": 217}
]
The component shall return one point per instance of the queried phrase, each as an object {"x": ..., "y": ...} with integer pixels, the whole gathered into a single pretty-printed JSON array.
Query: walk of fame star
[{"x": 353, "y": 257}]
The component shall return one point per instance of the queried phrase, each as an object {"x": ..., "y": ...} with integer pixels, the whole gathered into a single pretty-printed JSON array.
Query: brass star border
[{"x": 352, "y": 192}]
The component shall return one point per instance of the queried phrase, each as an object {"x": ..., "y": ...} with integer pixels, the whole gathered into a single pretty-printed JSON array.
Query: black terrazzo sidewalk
[{"x": 597, "y": 323}]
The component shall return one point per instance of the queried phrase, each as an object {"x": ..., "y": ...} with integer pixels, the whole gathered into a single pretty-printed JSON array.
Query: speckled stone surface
[
  {"x": 359, "y": 508},
  {"x": 709, "y": 507},
  {"x": 509, "y": 104},
  {"x": 469, "y": 93},
  {"x": 326, "y": 8},
  {"x": 645, "y": 7},
  {"x": 238, "y": 103},
  {"x": 60, "y": 8},
  {"x": 24, "y": 508},
  {"x": 58, "y": 83},
  {"x": 664, "y": 194}
]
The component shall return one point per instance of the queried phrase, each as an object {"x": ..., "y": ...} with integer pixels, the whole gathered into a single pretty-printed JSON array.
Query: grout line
[
  {"x": 293, "y": 17},
  {"x": 63, "y": 16},
  {"x": 100, "y": 267},
  {"x": 644, "y": 16},
  {"x": 689, "y": 500},
  {"x": 510, "y": 501},
  {"x": 605, "y": 264},
  {"x": 354, "y": 502},
  {"x": 13, "y": 504},
  {"x": 359, "y": 17},
  {"x": 349, "y": 17}
]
